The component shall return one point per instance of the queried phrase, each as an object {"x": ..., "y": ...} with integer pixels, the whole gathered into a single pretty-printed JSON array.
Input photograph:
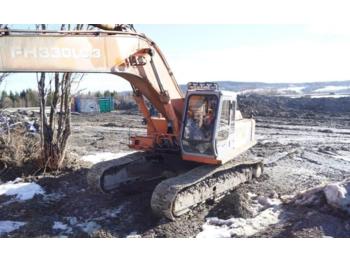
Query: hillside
[{"x": 311, "y": 88}]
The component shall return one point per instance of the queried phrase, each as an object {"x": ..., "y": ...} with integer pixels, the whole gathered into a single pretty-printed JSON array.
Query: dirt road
[{"x": 299, "y": 153}]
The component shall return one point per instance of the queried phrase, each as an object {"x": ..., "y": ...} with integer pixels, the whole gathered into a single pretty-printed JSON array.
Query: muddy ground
[{"x": 300, "y": 152}]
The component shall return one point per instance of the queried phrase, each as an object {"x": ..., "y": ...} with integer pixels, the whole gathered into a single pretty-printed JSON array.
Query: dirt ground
[{"x": 299, "y": 153}]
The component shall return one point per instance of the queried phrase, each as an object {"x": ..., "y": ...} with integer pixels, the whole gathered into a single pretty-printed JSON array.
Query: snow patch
[
  {"x": 326, "y": 96},
  {"x": 296, "y": 89},
  {"x": 89, "y": 227},
  {"x": 133, "y": 234},
  {"x": 103, "y": 156},
  {"x": 249, "y": 91},
  {"x": 65, "y": 229},
  {"x": 31, "y": 127},
  {"x": 72, "y": 221},
  {"x": 268, "y": 202},
  {"x": 22, "y": 191},
  {"x": 112, "y": 213},
  {"x": 331, "y": 89},
  {"x": 59, "y": 225},
  {"x": 337, "y": 195},
  {"x": 267, "y": 212},
  {"x": 343, "y": 155},
  {"x": 239, "y": 227},
  {"x": 9, "y": 226}
]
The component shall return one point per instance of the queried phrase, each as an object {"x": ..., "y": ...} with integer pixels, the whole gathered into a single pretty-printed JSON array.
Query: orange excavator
[{"x": 192, "y": 146}]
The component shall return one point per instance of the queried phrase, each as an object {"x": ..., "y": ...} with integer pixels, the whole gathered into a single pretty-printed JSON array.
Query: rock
[
  {"x": 273, "y": 194},
  {"x": 337, "y": 195},
  {"x": 268, "y": 202}
]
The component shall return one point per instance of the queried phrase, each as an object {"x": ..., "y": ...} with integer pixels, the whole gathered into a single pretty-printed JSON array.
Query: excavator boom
[{"x": 129, "y": 55}]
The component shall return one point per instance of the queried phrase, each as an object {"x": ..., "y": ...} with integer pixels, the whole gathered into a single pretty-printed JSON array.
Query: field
[{"x": 300, "y": 151}]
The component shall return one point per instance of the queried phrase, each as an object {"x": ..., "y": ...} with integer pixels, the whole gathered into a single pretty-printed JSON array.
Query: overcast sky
[{"x": 267, "y": 53}]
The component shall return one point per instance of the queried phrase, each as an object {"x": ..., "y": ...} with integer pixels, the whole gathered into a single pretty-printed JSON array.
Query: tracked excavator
[{"x": 192, "y": 146}]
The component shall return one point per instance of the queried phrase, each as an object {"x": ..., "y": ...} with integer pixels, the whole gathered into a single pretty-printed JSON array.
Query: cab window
[
  {"x": 223, "y": 131},
  {"x": 233, "y": 116},
  {"x": 199, "y": 124}
]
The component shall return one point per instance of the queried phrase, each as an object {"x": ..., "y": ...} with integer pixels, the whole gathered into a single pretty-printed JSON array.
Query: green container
[{"x": 106, "y": 104}]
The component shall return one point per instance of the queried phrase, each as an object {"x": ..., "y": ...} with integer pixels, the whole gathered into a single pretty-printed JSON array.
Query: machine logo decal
[{"x": 55, "y": 52}]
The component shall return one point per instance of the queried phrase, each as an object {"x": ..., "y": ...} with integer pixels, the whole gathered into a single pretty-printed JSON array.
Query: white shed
[{"x": 87, "y": 105}]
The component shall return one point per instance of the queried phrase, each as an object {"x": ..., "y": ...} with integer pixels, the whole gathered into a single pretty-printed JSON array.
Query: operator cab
[{"x": 213, "y": 130}]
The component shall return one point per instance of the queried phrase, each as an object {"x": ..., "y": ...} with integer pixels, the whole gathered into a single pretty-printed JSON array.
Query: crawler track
[
  {"x": 135, "y": 169},
  {"x": 175, "y": 196},
  {"x": 98, "y": 175}
]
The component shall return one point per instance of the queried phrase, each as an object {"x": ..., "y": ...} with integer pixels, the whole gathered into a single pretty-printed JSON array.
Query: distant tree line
[
  {"x": 30, "y": 98},
  {"x": 25, "y": 98},
  {"x": 106, "y": 93}
]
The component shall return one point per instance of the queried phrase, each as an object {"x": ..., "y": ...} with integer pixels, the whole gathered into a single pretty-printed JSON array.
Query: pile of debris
[
  {"x": 334, "y": 195},
  {"x": 21, "y": 119},
  {"x": 320, "y": 211},
  {"x": 279, "y": 106}
]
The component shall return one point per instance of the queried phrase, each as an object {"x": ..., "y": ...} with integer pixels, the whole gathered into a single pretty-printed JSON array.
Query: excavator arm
[{"x": 129, "y": 55}]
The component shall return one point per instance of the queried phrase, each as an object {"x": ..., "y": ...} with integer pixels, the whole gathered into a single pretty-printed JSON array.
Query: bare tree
[
  {"x": 56, "y": 127},
  {"x": 3, "y": 76}
]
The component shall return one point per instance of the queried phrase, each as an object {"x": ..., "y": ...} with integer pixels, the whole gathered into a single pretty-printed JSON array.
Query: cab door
[{"x": 223, "y": 127}]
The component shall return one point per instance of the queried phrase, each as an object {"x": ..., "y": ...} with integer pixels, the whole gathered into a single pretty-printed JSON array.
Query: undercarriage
[{"x": 182, "y": 185}]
